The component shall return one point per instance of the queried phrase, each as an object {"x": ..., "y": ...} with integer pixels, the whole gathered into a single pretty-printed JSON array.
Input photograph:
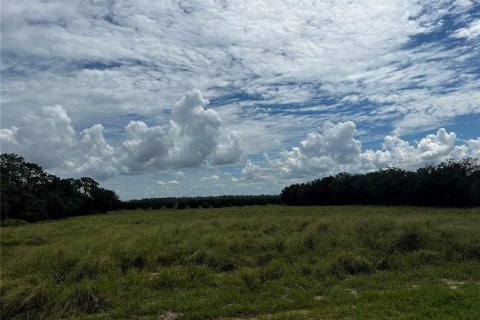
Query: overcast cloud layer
[{"x": 296, "y": 89}]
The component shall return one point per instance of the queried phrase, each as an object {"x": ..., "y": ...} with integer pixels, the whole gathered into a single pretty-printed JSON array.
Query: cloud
[
  {"x": 91, "y": 155},
  {"x": 164, "y": 183},
  {"x": 334, "y": 149},
  {"x": 253, "y": 172},
  {"x": 8, "y": 136},
  {"x": 213, "y": 177},
  {"x": 48, "y": 138},
  {"x": 271, "y": 71},
  {"x": 113, "y": 59},
  {"x": 331, "y": 147},
  {"x": 195, "y": 137},
  {"x": 145, "y": 147},
  {"x": 195, "y": 130},
  {"x": 470, "y": 32},
  {"x": 180, "y": 174},
  {"x": 474, "y": 145},
  {"x": 228, "y": 149}
]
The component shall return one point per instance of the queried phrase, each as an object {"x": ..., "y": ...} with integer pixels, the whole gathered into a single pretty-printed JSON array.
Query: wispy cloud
[{"x": 273, "y": 71}]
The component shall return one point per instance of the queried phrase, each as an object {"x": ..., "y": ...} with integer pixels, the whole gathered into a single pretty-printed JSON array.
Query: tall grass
[{"x": 249, "y": 261}]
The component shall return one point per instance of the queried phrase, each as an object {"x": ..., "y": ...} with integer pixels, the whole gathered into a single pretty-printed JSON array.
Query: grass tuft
[
  {"x": 26, "y": 300},
  {"x": 83, "y": 300},
  {"x": 351, "y": 265}
]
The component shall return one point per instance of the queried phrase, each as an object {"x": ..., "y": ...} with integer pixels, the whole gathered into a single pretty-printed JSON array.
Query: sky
[{"x": 210, "y": 97}]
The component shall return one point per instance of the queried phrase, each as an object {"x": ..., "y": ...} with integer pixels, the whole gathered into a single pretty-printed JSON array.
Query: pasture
[{"x": 259, "y": 262}]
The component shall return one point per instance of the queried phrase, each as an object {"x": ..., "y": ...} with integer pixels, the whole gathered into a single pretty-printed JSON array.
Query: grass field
[{"x": 263, "y": 262}]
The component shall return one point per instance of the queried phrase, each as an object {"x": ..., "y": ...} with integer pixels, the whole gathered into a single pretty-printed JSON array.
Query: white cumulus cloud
[
  {"x": 195, "y": 137},
  {"x": 334, "y": 149},
  {"x": 48, "y": 138}
]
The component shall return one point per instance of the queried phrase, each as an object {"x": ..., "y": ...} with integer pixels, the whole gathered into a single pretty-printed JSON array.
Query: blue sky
[{"x": 172, "y": 98}]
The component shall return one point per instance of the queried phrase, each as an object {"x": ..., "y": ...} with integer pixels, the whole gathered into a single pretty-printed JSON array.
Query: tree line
[
  {"x": 448, "y": 184},
  {"x": 31, "y": 194},
  {"x": 201, "y": 202}
]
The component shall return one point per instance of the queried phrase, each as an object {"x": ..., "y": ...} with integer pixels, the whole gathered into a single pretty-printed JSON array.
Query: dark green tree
[{"x": 29, "y": 193}]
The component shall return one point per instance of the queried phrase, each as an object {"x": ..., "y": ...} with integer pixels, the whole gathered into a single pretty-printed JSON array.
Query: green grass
[{"x": 264, "y": 262}]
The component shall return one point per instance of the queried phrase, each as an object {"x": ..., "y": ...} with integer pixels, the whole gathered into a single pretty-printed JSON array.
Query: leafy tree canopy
[{"x": 31, "y": 194}]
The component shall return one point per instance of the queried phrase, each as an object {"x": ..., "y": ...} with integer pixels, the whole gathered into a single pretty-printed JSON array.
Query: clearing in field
[{"x": 263, "y": 262}]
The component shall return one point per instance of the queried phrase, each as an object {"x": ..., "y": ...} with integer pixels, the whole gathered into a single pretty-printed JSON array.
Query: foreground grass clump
[{"x": 266, "y": 262}]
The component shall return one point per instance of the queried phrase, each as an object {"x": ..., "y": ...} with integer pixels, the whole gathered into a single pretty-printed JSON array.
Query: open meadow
[{"x": 259, "y": 262}]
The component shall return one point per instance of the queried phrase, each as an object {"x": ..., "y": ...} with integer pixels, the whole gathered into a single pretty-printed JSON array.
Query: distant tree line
[
  {"x": 448, "y": 184},
  {"x": 31, "y": 194},
  {"x": 201, "y": 202}
]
